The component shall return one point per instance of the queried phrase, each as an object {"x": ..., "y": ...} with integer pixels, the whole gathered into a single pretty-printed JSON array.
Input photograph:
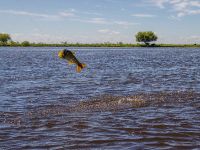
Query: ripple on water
[
  {"x": 156, "y": 120},
  {"x": 44, "y": 104}
]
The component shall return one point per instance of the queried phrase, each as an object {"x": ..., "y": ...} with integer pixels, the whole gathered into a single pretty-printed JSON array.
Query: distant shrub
[
  {"x": 4, "y": 38},
  {"x": 25, "y": 43},
  {"x": 146, "y": 37}
]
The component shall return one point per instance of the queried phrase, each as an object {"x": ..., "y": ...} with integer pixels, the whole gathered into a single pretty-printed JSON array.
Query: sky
[{"x": 97, "y": 21}]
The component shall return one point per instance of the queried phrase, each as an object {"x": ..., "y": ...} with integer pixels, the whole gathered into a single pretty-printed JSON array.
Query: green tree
[
  {"x": 25, "y": 43},
  {"x": 12, "y": 43},
  {"x": 4, "y": 38},
  {"x": 146, "y": 37}
]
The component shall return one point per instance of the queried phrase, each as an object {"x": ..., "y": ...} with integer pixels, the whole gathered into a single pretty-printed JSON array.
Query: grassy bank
[{"x": 27, "y": 44}]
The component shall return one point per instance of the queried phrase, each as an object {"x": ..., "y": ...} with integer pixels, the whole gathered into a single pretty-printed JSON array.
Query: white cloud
[
  {"x": 196, "y": 37},
  {"x": 101, "y": 21},
  {"x": 25, "y": 13},
  {"x": 143, "y": 15},
  {"x": 98, "y": 21},
  {"x": 91, "y": 13},
  {"x": 67, "y": 14},
  {"x": 47, "y": 38},
  {"x": 195, "y": 3},
  {"x": 103, "y": 30},
  {"x": 57, "y": 38},
  {"x": 115, "y": 32},
  {"x": 40, "y": 15},
  {"x": 191, "y": 39},
  {"x": 181, "y": 7},
  {"x": 125, "y": 23},
  {"x": 104, "y": 21},
  {"x": 107, "y": 31},
  {"x": 159, "y": 3},
  {"x": 70, "y": 14},
  {"x": 105, "y": 36},
  {"x": 72, "y": 10}
]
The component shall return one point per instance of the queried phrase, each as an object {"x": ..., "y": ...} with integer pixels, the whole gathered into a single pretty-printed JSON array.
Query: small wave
[{"x": 105, "y": 103}]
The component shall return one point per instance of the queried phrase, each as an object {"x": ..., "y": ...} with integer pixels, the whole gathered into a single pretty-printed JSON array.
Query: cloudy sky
[{"x": 91, "y": 21}]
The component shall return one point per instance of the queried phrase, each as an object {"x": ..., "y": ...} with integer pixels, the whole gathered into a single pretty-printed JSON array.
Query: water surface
[{"x": 125, "y": 99}]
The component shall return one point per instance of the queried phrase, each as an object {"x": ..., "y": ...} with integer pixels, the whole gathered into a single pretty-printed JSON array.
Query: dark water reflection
[{"x": 125, "y": 99}]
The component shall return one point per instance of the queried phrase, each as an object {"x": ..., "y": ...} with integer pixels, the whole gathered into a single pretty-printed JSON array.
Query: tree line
[{"x": 144, "y": 39}]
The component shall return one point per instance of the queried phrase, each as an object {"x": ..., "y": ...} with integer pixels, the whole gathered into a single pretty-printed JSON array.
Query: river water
[{"x": 135, "y": 98}]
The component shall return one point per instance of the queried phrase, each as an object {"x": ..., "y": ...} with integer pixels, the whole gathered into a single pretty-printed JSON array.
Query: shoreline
[{"x": 102, "y": 45}]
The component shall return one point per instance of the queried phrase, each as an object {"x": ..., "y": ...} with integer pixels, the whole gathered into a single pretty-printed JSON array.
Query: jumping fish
[{"x": 71, "y": 58}]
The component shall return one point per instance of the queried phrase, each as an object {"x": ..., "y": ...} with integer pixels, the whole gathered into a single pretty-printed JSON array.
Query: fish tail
[{"x": 80, "y": 67}]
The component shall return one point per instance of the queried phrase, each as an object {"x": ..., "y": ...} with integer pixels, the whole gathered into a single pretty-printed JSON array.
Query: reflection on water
[{"x": 134, "y": 98}]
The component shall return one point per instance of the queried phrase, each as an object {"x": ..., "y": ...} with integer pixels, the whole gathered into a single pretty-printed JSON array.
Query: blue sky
[{"x": 91, "y": 21}]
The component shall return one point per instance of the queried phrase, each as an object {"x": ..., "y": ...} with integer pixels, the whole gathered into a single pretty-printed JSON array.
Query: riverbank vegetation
[
  {"x": 5, "y": 40},
  {"x": 120, "y": 44}
]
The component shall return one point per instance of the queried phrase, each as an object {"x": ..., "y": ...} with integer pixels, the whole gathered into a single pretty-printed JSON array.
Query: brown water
[{"x": 125, "y": 99}]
